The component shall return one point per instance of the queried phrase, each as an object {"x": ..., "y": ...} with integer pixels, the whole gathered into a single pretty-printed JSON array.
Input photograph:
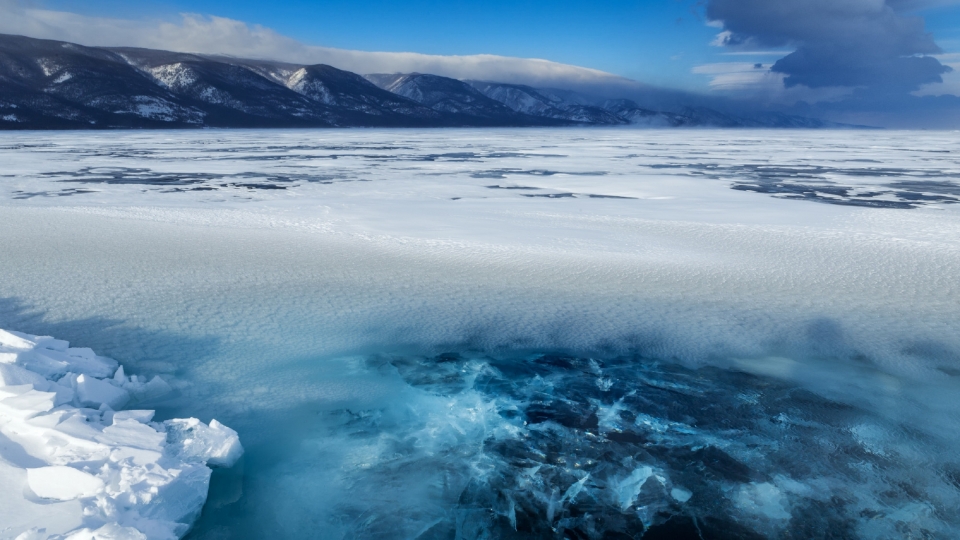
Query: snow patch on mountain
[
  {"x": 64, "y": 77},
  {"x": 301, "y": 83},
  {"x": 48, "y": 66},
  {"x": 570, "y": 107},
  {"x": 521, "y": 99},
  {"x": 214, "y": 95},
  {"x": 174, "y": 76},
  {"x": 446, "y": 95}
]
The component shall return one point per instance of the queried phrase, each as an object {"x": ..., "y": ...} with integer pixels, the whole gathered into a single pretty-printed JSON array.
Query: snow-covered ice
[
  {"x": 423, "y": 333},
  {"x": 73, "y": 466}
]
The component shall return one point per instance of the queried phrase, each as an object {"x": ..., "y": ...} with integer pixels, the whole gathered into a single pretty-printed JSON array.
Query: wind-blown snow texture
[{"x": 534, "y": 333}]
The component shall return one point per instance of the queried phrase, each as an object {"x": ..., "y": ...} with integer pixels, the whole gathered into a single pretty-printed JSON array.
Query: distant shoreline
[{"x": 49, "y": 84}]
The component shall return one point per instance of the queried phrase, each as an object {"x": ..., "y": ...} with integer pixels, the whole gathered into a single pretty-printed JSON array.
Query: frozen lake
[{"x": 486, "y": 333}]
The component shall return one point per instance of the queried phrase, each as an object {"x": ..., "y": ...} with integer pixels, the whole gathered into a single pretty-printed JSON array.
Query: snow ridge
[{"x": 75, "y": 466}]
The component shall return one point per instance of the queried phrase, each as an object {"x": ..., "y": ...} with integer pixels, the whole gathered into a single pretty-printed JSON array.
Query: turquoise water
[{"x": 354, "y": 427}]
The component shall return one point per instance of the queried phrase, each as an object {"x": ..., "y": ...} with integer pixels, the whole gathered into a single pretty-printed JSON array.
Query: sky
[
  {"x": 841, "y": 58},
  {"x": 653, "y": 41}
]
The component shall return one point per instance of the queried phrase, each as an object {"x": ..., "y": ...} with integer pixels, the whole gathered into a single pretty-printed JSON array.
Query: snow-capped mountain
[
  {"x": 227, "y": 92},
  {"x": 50, "y": 84},
  {"x": 454, "y": 97},
  {"x": 575, "y": 108},
  {"x": 636, "y": 115},
  {"x": 529, "y": 100},
  {"x": 47, "y": 84},
  {"x": 345, "y": 91}
]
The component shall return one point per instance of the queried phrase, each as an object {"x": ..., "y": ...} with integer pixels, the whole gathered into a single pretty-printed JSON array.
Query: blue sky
[
  {"x": 629, "y": 38},
  {"x": 655, "y": 41},
  {"x": 652, "y": 41}
]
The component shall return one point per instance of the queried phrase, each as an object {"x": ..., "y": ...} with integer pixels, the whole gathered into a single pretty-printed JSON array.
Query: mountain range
[{"x": 46, "y": 84}]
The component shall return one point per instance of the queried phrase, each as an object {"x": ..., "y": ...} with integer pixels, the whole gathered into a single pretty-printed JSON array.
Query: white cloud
[
  {"x": 721, "y": 39},
  {"x": 753, "y": 80},
  {"x": 731, "y": 76},
  {"x": 217, "y": 35}
]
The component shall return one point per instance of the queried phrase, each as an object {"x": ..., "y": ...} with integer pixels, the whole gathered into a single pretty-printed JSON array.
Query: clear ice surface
[{"x": 515, "y": 333}]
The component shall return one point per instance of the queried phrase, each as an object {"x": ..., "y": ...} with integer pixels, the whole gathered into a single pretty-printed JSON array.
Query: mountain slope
[
  {"x": 347, "y": 91},
  {"x": 229, "y": 93},
  {"x": 46, "y": 84},
  {"x": 530, "y": 101},
  {"x": 636, "y": 115},
  {"x": 454, "y": 97},
  {"x": 51, "y": 84}
]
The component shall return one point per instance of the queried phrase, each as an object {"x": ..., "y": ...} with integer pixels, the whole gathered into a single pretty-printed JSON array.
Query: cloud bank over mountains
[{"x": 217, "y": 35}]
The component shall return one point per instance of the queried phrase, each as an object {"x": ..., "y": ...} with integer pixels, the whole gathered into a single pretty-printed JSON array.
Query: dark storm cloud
[{"x": 864, "y": 43}]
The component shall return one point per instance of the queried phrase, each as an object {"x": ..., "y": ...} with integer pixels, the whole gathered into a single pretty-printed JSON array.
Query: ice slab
[
  {"x": 63, "y": 483},
  {"x": 215, "y": 444},
  {"x": 93, "y": 392}
]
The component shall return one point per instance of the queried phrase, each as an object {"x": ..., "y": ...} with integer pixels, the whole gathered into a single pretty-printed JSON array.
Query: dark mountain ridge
[
  {"x": 47, "y": 84},
  {"x": 455, "y": 98}
]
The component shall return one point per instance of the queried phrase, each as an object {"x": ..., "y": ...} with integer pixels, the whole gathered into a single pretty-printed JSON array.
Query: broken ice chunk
[
  {"x": 28, "y": 404},
  {"x": 84, "y": 360},
  {"x": 131, "y": 433},
  {"x": 62, "y": 483},
  {"x": 141, "y": 391},
  {"x": 14, "y": 341},
  {"x": 142, "y": 416},
  {"x": 46, "y": 342},
  {"x": 763, "y": 500},
  {"x": 82, "y": 471},
  {"x": 94, "y": 392},
  {"x": 680, "y": 495},
  {"x": 216, "y": 444},
  {"x": 629, "y": 488},
  {"x": 110, "y": 531},
  {"x": 43, "y": 364},
  {"x": 119, "y": 376},
  {"x": 12, "y": 375}
]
